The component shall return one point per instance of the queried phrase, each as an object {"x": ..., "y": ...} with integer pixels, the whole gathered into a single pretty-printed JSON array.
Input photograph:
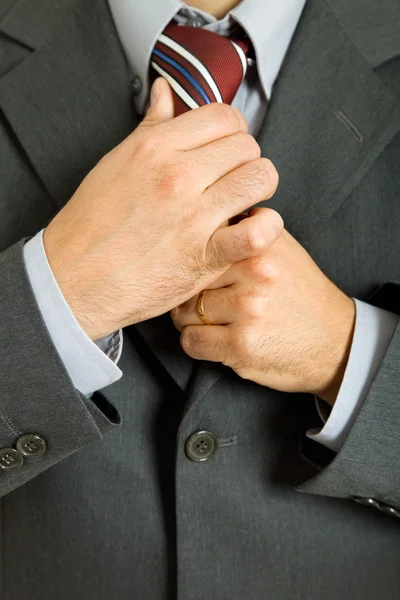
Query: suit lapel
[
  {"x": 69, "y": 102},
  {"x": 330, "y": 116}
]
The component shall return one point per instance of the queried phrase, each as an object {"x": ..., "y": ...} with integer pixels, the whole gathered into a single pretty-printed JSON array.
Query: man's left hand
[{"x": 276, "y": 320}]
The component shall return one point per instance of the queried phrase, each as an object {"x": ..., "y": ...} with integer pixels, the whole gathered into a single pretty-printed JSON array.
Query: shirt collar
[{"x": 270, "y": 25}]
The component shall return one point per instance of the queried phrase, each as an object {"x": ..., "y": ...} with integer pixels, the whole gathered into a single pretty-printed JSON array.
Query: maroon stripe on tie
[
  {"x": 215, "y": 52},
  {"x": 183, "y": 82},
  {"x": 190, "y": 68}
]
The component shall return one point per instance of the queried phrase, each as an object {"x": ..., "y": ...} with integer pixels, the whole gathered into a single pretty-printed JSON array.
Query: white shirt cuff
[
  {"x": 373, "y": 331},
  {"x": 91, "y": 366}
]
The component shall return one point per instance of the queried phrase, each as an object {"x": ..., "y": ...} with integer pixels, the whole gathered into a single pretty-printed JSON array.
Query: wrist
[
  {"x": 338, "y": 353},
  {"x": 331, "y": 391},
  {"x": 62, "y": 261}
]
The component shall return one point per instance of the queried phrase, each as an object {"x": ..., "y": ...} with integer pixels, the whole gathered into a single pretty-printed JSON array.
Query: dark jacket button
[
  {"x": 31, "y": 445},
  {"x": 137, "y": 86},
  {"x": 10, "y": 459},
  {"x": 367, "y": 502},
  {"x": 389, "y": 510},
  {"x": 201, "y": 446}
]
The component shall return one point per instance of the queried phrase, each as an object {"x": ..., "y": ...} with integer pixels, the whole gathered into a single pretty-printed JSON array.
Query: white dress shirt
[{"x": 93, "y": 366}]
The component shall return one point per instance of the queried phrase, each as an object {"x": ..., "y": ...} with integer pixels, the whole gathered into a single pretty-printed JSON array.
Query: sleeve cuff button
[
  {"x": 31, "y": 445},
  {"x": 385, "y": 508},
  {"x": 10, "y": 459}
]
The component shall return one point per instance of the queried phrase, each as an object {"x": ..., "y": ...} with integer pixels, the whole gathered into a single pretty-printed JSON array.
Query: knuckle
[
  {"x": 256, "y": 147},
  {"x": 227, "y": 116},
  {"x": 273, "y": 272},
  {"x": 148, "y": 145},
  {"x": 191, "y": 340},
  {"x": 249, "y": 147},
  {"x": 242, "y": 304},
  {"x": 259, "y": 268},
  {"x": 260, "y": 232},
  {"x": 174, "y": 181},
  {"x": 275, "y": 222},
  {"x": 269, "y": 174},
  {"x": 255, "y": 306},
  {"x": 255, "y": 238},
  {"x": 250, "y": 305},
  {"x": 187, "y": 341},
  {"x": 256, "y": 268},
  {"x": 176, "y": 314}
]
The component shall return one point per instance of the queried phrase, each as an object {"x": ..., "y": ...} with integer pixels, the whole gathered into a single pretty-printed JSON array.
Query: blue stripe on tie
[{"x": 185, "y": 73}]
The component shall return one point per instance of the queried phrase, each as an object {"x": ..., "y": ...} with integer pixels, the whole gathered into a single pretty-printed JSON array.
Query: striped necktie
[{"x": 200, "y": 65}]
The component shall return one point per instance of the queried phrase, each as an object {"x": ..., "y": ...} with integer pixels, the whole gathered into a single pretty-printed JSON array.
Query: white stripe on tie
[
  {"x": 193, "y": 61},
  {"x": 178, "y": 89},
  {"x": 242, "y": 57}
]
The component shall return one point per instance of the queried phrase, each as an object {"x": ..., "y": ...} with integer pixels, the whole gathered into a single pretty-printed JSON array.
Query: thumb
[{"x": 161, "y": 103}]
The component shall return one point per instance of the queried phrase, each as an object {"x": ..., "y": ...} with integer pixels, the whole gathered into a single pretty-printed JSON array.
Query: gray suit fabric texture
[{"x": 114, "y": 509}]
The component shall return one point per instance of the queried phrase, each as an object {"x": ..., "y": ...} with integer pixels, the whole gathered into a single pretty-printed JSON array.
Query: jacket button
[
  {"x": 201, "y": 446},
  {"x": 31, "y": 445},
  {"x": 10, "y": 459},
  {"x": 137, "y": 86},
  {"x": 367, "y": 502},
  {"x": 389, "y": 510}
]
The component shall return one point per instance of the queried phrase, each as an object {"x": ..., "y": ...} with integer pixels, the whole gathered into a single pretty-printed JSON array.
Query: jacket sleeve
[
  {"x": 36, "y": 393},
  {"x": 366, "y": 469}
]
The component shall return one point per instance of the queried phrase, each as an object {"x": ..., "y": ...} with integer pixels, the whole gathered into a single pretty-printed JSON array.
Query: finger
[
  {"x": 251, "y": 237},
  {"x": 161, "y": 104},
  {"x": 234, "y": 220},
  {"x": 217, "y": 159},
  {"x": 202, "y": 126},
  {"x": 210, "y": 343},
  {"x": 240, "y": 189},
  {"x": 219, "y": 306}
]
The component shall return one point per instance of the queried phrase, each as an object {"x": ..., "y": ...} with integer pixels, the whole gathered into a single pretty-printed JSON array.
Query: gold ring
[{"x": 200, "y": 308}]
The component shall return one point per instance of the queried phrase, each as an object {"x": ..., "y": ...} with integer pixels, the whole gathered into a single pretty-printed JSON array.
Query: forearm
[{"x": 36, "y": 392}]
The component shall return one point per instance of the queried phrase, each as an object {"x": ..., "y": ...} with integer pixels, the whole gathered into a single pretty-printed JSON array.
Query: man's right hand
[{"x": 146, "y": 230}]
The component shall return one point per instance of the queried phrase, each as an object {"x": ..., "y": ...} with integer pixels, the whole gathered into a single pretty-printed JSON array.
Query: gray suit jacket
[{"x": 118, "y": 511}]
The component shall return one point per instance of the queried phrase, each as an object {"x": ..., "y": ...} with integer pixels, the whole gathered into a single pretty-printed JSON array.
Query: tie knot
[{"x": 200, "y": 65}]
